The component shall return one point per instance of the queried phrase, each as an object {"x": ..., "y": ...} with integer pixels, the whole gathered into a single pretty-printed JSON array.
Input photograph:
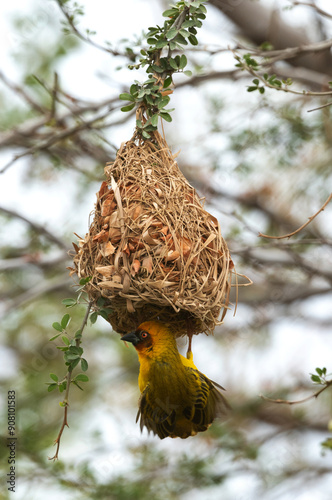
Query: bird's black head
[{"x": 139, "y": 338}]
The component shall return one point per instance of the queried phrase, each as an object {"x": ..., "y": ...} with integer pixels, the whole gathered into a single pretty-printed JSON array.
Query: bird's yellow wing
[
  {"x": 209, "y": 403},
  {"x": 157, "y": 418}
]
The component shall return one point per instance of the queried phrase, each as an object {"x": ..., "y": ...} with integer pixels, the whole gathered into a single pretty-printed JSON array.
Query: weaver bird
[{"x": 176, "y": 400}]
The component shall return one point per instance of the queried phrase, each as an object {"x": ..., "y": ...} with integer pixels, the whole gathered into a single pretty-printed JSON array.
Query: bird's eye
[{"x": 144, "y": 335}]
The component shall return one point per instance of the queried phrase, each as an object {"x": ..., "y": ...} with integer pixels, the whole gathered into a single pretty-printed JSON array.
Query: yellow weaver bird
[{"x": 177, "y": 400}]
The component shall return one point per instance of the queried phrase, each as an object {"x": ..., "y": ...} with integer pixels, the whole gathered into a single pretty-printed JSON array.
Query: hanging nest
[{"x": 152, "y": 251}]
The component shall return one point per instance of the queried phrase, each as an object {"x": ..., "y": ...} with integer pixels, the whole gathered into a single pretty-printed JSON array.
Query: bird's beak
[{"x": 130, "y": 337}]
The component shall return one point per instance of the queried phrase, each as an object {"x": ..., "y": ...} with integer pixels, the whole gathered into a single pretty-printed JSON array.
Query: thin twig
[
  {"x": 82, "y": 37},
  {"x": 21, "y": 92},
  {"x": 320, "y": 107},
  {"x": 289, "y": 52},
  {"x": 300, "y": 401},
  {"x": 282, "y": 88},
  {"x": 53, "y": 139},
  {"x": 54, "y": 94},
  {"x": 314, "y": 6},
  {"x": 301, "y": 227},
  {"x": 65, "y": 402}
]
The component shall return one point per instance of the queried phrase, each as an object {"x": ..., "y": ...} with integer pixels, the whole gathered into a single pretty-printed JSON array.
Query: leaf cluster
[
  {"x": 72, "y": 353},
  {"x": 178, "y": 31},
  {"x": 319, "y": 377},
  {"x": 248, "y": 63},
  {"x": 71, "y": 348}
]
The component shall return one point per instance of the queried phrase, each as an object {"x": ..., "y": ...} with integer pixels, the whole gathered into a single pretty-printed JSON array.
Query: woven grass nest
[{"x": 152, "y": 250}]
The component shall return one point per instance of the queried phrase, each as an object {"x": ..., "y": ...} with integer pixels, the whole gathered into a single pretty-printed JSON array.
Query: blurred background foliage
[{"x": 262, "y": 162}]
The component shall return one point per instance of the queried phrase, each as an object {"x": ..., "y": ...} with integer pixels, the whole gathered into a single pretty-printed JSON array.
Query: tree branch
[
  {"x": 65, "y": 402},
  {"x": 22, "y": 93},
  {"x": 301, "y": 227},
  {"x": 36, "y": 227},
  {"x": 300, "y": 401},
  {"x": 260, "y": 24},
  {"x": 315, "y": 7}
]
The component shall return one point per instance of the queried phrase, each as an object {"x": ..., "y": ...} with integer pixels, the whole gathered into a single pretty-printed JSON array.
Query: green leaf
[
  {"x": 184, "y": 33},
  {"x": 193, "y": 40},
  {"x": 75, "y": 350},
  {"x": 319, "y": 371},
  {"x": 126, "y": 97},
  {"x": 104, "y": 313},
  {"x": 93, "y": 317},
  {"x": 153, "y": 30},
  {"x": 69, "y": 302},
  {"x": 84, "y": 364},
  {"x": 128, "y": 108},
  {"x": 167, "y": 117},
  {"x": 161, "y": 43},
  {"x": 173, "y": 65},
  {"x": 54, "y": 377},
  {"x": 65, "y": 320},
  {"x": 65, "y": 340},
  {"x": 154, "y": 120},
  {"x": 188, "y": 73},
  {"x": 133, "y": 89},
  {"x": 316, "y": 378},
  {"x": 74, "y": 363},
  {"x": 251, "y": 89},
  {"x": 171, "y": 33},
  {"x": 71, "y": 357},
  {"x": 179, "y": 39},
  {"x": 78, "y": 334},
  {"x": 84, "y": 281},
  {"x": 149, "y": 128},
  {"x": 57, "y": 326},
  {"x": 101, "y": 301},
  {"x": 157, "y": 69},
  {"x": 141, "y": 93},
  {"x": 55, "y": 337},
  {"x": 261, "y": 90},
  {"x": 188, "y": 24},
  {"x": 170, "y": 12},
  {"x": 256, "y": 81},
  {"x": 146, "y": 135},
  {"x": 167, "y": 82},
  {"x": 183, "y": 61},
  {"x": 149, "y": 100},
  {"x": 81, "y": 377},
  {"x": 51, "y": 387},
  {"x": 163, "y": 102}
]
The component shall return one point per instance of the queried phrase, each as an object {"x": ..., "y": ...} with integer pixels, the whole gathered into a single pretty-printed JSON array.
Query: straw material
[{"x": 152, "y": 250}]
